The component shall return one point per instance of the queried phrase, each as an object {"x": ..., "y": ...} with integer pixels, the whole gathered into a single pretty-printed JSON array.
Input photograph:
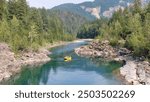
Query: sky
[{"x": 52, "y": 3}]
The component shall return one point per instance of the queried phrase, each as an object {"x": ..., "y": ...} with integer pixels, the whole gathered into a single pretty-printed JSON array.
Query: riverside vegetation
[
  {"x": 128, "y": 33},
  {"x": 24, "y": 27},
  {"x": 24, "y": 30},
  {"x": 128, "y": 28}
]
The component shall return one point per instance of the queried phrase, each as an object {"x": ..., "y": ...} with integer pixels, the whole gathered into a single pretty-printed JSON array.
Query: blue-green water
[{"x": 80, "y": 71}]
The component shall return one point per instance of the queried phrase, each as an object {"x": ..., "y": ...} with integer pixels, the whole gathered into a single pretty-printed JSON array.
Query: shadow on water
[{"x": 80, "y": 71}]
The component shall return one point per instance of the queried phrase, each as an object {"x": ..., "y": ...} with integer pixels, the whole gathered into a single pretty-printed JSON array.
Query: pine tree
[
  {"x": 146, "y": 33},
  {"x": 11, "y": 9},
  {"x": 44, "y": 16},
  {"x": 35, "y": 18},
  {"x": 137, "y": 6},
  {"x": 32, "y": 34},
  {"x": 14, "y": 33},
  {"x": 2, "y": 2},
  {"x": 22, "y": 9},
  {"x": 25, "y": 27},
  {"x": 15, "y": 25},
  {"x": 134, "y": 24},
  {"x": 5, "y": 34},
  {"x": 148, "y": 8}
]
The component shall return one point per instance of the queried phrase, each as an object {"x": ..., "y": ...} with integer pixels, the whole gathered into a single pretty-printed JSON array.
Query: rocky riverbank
[
  {"x": 10, "y": 64},
  {"x": 134, "y": 71}
]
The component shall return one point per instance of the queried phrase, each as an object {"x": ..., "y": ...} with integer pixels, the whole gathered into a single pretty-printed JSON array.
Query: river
[{"x": 80, "y": 71}]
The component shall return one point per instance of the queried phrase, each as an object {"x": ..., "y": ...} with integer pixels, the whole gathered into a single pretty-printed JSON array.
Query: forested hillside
[
  {"x": 95, "y": 9},
  {"x": 74, "y": 8},
  {"x": 91, "y": 29},
  {"x": 128, "y": 28},
  {"x": 71, "y": 21},
  {"x": 24, "y": 27}
]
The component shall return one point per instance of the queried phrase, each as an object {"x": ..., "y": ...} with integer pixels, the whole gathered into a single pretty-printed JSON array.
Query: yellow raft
[{"x": 67, "y": 58}]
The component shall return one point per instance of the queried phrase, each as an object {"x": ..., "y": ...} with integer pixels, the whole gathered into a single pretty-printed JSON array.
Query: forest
[
  {"x": 128, "y": 28},
  {"x": 27, "y": 28}
]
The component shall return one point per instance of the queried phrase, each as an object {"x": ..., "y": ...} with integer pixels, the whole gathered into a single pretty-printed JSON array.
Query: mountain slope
[
  {"x": 97, "y": 8},
  {"x": 75, "y": 15},
  {"x": 71, "y": 21},
  {"x": 74, "y": 8},
  {"x": 91, "y": 10}
]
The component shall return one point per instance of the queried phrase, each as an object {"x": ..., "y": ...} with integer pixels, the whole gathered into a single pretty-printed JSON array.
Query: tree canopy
[
  {"x": 128, "y": 28},
  {"x": 24, "y": 27}
]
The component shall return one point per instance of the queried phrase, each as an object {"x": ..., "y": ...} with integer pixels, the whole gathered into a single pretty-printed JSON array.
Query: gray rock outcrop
[
  {"x": 10, "y": 64},
  {"x": 136, "y": 72},
  {"x": 97, "y": 49}
]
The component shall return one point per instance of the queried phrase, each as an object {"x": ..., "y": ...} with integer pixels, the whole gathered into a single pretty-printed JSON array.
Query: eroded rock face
[
  {"x": 95, "y": 11},
  {"x": 108, "y": 13}
]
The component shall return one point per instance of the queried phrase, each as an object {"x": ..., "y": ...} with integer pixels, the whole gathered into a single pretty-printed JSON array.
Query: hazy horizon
[{"x": 52, "y": 3}]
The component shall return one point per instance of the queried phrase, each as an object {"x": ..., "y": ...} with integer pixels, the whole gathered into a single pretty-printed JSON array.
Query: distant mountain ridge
[
  {"x": 97, "y": 8},
  {"x": 73, "y": 16},
  {"x": 74, "y": 8}
]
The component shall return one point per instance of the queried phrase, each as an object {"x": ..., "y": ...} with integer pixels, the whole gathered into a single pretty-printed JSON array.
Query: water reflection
[{"x": 79, "y": 71}]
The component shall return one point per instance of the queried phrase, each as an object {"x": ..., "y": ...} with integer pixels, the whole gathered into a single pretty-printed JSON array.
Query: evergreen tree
[
  {"x": 12, "y": 9},
  {"x": 44, "y": 16},
  {"x": 137, "y": 6},
  {"x": 148, "y": 8},
  {"x": 26, "y": 28},
  {"x": 15, "y": 33},
  {"x": 32, "y": 34},
  {"x": 2, "y": 3},
  {"x": 134, "y": 24},
  {"x": 5, "y": 35},
  {"x": 22, "y": 9}
]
